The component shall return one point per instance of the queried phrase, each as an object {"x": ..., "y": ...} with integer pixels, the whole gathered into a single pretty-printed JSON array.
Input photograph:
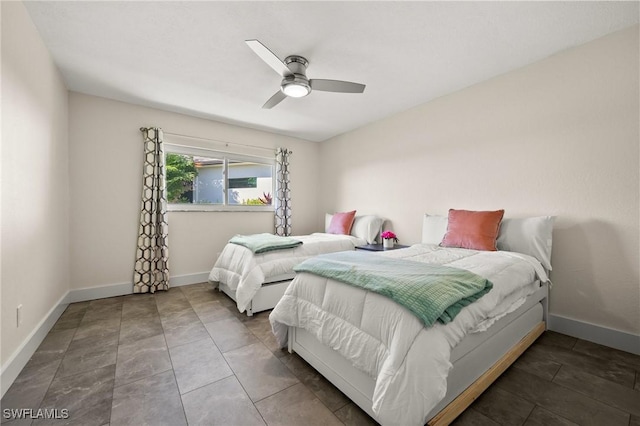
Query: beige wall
[
  {"x": 35, "y": 196},
  {"x": 106, "y": 183},
  {"x": 558, "y": 137}
]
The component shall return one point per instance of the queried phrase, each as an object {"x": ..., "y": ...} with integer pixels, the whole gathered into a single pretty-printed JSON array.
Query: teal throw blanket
[
  {"x": 261, "y": 243},
  {"x": 431, "y": 292}
]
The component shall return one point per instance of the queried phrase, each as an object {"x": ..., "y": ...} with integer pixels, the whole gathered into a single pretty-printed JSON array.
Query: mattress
[
  {"x": 475, "y": 353},
  {"x": 409, "y": 362},
  {"x": 244, "y": 271}
]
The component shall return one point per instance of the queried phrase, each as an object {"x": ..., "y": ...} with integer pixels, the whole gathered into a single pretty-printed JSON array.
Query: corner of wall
[{"x": 35, "y": 223}]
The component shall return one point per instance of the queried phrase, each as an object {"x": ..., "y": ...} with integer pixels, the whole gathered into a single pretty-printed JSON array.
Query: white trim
[
  {"x": 121, "y": 289},
  {"x": 22, "y": 355},
  {"x": 205, "y": 143},
  {"x": 208, "y": 152},
  {"x": 596, "y": 333},
  {"x": 188, "y": 207},
  {"x": 99, "y": 292},
  {"x": 180, "y": 280}
]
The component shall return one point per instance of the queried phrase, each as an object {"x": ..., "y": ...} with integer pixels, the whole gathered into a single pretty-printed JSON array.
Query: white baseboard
[
  {"x": 595, "y": 333},
  {"x": 180, "y": 280},
  {"x": 113, "y": 290},
  {"x": 21, "y": 356},
  {"x": 100, "y": 292}
]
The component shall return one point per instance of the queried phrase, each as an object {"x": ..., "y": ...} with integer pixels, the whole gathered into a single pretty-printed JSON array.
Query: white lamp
[
  {"x": 295, "y": 86},
  {"x": 295, "y": 90}
]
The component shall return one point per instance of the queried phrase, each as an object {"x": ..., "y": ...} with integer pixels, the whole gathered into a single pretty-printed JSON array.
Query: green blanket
[
  {"x": 431, "y": 292},
  {"x": 261, "y": 243}
]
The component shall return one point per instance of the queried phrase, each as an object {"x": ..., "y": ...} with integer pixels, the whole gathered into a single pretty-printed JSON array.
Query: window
[{"x": 202, "y": 180}]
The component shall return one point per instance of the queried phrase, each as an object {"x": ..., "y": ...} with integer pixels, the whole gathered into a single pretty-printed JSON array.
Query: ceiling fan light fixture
[{"x": 295, "y": 87}]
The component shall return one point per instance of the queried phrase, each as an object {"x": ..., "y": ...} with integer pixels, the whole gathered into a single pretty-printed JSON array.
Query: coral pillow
[
  {"x": 472, "y": 230},
  {"x": 341, "y": 223}
]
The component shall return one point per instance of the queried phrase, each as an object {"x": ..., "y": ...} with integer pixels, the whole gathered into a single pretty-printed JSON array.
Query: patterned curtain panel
[
  {"x": 151, "y": 271},
  {"x": 283, "y": 193}
]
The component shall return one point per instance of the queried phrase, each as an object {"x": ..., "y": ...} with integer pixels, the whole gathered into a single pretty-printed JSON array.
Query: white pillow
[
  {"x": 433, "y": 229},
  {"x": 327, "y": 221},
  {"x": 529, "y": 235},
  {"x": 366, "y": 227}
]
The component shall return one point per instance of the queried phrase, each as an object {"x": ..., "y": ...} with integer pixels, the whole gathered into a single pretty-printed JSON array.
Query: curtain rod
[{"x": 219, "y": 141}]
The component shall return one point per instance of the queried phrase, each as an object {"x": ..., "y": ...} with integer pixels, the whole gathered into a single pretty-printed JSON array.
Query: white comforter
[
  {"x": 243, "y": 271},
  {"x": 409, "y": 362}
]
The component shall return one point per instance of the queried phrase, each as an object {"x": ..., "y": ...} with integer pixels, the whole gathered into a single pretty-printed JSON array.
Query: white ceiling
[{"x": 190, "y": 57}]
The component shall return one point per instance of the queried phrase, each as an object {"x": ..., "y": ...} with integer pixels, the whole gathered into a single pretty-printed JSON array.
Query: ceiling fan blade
[
  {"x": 336, "y": 86},
  {"x": 274, "y": 100},
  {"x": 269, "y": 57}
]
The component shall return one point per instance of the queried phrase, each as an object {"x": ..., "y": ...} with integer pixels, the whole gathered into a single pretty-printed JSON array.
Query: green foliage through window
[
  {"x": 180, "y": 174},
  {"x": 265, "y": 200}
]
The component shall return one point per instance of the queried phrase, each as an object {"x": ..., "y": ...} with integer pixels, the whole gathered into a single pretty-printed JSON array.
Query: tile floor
[{"x": 188, "y": 357}]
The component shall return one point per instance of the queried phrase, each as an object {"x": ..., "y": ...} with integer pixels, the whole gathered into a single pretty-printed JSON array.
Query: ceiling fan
[{"x": 294, "y": 79}]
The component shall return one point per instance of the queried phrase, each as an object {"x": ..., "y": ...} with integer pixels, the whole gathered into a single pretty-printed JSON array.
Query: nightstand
[{"x": 379, "y": 247}]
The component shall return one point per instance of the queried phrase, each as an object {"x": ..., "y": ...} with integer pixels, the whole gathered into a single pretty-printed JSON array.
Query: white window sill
[{"x": 218, "y": 208}]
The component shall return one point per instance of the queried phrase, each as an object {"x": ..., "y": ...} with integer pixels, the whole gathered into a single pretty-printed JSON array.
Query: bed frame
[
  {"x": 266, "y": 298},
  {"x": 478, "y": 360}
]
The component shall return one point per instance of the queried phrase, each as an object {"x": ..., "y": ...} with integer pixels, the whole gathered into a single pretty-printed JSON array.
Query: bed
[
  {"x": 256, "y": 282},
  {"x": 384, "y": 358}
]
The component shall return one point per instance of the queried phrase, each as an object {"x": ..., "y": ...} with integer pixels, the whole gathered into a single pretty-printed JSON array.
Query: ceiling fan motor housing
[
  {"x": 297, "y": 64},
  {"x": 297, "y": 84}
]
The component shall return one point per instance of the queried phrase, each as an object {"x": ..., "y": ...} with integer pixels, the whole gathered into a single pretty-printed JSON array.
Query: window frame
[{"x": 225, "y": 156}]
